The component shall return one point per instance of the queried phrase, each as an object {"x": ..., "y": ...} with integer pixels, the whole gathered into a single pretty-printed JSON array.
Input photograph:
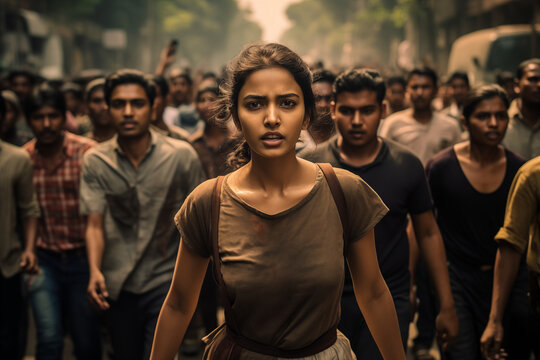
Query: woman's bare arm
[
  {"x": 374, "y": 298},
  {"x": 180, "y": 303}
]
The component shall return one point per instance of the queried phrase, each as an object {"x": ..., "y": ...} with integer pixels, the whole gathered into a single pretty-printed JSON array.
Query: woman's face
[{"x": 271, "y": 112}]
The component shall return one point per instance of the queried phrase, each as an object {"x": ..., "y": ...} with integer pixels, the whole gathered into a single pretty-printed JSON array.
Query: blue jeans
[{"x": 58, "y": 298}]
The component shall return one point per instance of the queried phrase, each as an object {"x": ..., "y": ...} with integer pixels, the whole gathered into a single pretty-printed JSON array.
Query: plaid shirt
[{"x": 61, "y": 227}]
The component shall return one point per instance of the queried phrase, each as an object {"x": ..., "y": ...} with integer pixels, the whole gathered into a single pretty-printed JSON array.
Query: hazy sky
[{"x": 270, "y": 14}]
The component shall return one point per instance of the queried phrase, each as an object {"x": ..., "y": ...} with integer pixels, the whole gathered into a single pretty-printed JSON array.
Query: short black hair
[
  {"x": 45, "y": 95},
  {"x": 209, "y": 75},
  {"x": 92, "y": 86},
  {"x": 459, "y": 75},
  {"x": 22, "y": 72},
  {"x": 504, "y": 77},
  {"x": 356, "y": 80},
  {"x": 424, "y": 71},
  {"x": 481, "y": 93},
  {"x": 212, "y": 89},
  {"x": 129, "y": 76},
  {"x": 160, "y": 82},
  {"x": 324, "y": 76},
  {"x": 521, "y": 67},
  {"x": 179, "y": 73},
  {"x": 396, "y": 79},
  {"x": 73, "y": 88}
]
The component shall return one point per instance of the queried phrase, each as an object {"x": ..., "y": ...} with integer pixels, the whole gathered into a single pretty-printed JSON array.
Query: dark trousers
[
  {"x": 131, "y": 322},
  {"x": 353, "y": 325},
  {"x": 472, "y": 289},
  {"x": 13, "y": 320},
  {"x": 428, "y": 308},
  {"x": 58, "y": 298}
]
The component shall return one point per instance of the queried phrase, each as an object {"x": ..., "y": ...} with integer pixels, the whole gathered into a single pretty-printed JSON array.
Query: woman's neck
[{"x": 271, "y": 174}]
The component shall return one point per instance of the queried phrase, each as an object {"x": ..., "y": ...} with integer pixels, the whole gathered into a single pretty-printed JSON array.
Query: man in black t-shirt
[
  {"x": 470, "y": 182},
  {"x": 398, "y": 177}
]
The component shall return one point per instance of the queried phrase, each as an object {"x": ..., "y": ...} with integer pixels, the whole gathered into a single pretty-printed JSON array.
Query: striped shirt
[{"x": 61, "y": 226}]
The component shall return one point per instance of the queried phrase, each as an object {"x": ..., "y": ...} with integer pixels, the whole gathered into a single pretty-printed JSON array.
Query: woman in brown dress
[{"x": 279, "y": 230}]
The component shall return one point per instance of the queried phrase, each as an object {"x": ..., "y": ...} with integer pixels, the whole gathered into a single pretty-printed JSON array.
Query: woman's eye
[
  {"x": 288, "y": 103},
  {"x": 253, "y": 105}
]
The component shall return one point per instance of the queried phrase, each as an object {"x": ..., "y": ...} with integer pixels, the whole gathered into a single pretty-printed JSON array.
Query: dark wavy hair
[
  {"x": 481, "y": 93},
  {"x": 251, "y": 59}
]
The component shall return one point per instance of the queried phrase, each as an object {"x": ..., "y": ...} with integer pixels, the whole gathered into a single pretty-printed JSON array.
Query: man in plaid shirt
[{"x": 58, "y": 290}]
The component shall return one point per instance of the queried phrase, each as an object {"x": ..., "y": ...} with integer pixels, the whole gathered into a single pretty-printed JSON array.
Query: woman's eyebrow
[
  {"x": 255, "y": 97},
  {"x": 288, "y": 95}
]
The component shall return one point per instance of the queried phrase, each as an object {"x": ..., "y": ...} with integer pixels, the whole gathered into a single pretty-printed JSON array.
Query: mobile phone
[{"x": 173, "y": 44}]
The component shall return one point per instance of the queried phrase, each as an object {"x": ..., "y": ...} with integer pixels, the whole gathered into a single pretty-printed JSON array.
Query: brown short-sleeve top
[{"x": 284, "y": 273}]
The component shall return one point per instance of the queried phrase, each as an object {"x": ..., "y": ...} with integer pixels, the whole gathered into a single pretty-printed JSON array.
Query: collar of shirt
[
  {"x": 381, "y": 155},
  {"x": 154, "y": 140},
  {"x": 514, "y": 113},
  {"x": 67, "y": 150}
]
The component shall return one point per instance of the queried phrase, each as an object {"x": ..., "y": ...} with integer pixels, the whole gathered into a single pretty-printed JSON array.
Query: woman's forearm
[
  {"x": 180, "y": 303},
  {"x": 381, "y": 318},
  {"x": 170, "y": 330}
]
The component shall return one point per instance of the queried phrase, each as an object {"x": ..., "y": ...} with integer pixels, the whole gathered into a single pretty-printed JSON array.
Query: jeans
[
  {"x": 13, "y": 320},
  {"x": 471, "y": 289},
  {"x": 58, "y": 298},
  {"x": 131, "y": 322},
  {"x": 353, "y": 325}
]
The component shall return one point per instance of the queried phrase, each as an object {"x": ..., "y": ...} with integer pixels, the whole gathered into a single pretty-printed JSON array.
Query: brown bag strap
[
  {"x": 339, "y": 199},
  {"x": 216, "y": 260}
]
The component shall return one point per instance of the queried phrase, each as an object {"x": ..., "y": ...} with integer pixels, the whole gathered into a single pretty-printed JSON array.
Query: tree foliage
[
  {"x": 348, "y": 32},
  {"x": 209, "y": 31}
]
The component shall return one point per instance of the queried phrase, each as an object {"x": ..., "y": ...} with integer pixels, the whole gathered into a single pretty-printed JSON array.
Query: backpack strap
[{"x": 339, "y": 199}]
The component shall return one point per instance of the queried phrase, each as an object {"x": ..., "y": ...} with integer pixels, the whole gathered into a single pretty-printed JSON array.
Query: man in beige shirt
[
  {"x": 523, "y": 135},
  {"x": 419, "y": 128}
]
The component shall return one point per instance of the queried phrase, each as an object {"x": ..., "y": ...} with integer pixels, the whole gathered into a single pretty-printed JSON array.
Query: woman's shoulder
[
  {"x": 199, "y": 199},
  {"x": 348, "y": 180}
]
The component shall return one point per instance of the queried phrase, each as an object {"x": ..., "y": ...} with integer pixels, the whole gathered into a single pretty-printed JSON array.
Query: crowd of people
[{"x": 118, "y": 189}]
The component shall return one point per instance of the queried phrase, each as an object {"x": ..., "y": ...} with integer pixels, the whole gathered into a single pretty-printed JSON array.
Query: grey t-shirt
[
  {"x": 138, "y": 207},
  {"x": 284, "y": 272}
]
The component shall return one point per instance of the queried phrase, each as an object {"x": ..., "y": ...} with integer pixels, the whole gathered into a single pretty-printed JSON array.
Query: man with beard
[{"x": 523, "y": 134}]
